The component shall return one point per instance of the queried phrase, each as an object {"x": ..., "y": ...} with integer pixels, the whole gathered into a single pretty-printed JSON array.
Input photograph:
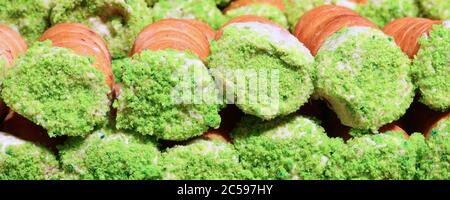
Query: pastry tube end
[
  {"x": 431, "y": 69},
  {"x": 70, "y": 103},
  {"x": 23, "y": 160},
  {"x": 375, "y": 157},
  {"x": 434, "y": 162},
  {"x": 168, "y": 94},
  {"x": 344, "y": 82},
  {"x": 203, "y": 160},
  {"x": 349, "y": 50},
  {"x": 244, "y": 51},
  {"x": 426, "y": 42},
  {"x": 108, "y": 154},
  {"x": 291, "y": 147}
]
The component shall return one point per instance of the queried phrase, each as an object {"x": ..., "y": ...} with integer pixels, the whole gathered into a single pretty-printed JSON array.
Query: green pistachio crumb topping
[
  {"x": 365, "y": 77},
  {"x": 117, "y": 66},
  {"x": 434, "y": 160},
  {"x": 387, "y": 156},
  {"x": 58, "y": 90},
  {"x": 203, "y": 10},
  {"x": 265, "y": 71},
  {"x": 168, "y": 94},
  {"x": 435, "y": 9},
  {"x": 203, "y": 160},
  {"x": 117, "y": 21},
  {"x": 291, "y": 147},
  {"x": 107, "y": 154},
  {"x": 264, "y": 10},
  {"x": 381, "y": 12},
  {"x": 22, "y": 160},
  {"x": 29, "y": 17},
  {"x": 431, "y": 68}
]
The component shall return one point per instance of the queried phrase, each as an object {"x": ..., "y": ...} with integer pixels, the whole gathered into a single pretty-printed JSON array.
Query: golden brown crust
[
  {"x": 432, "y": 123},
  {"x": 12, "y": 44},
  {"x": 395, "y": 126},
  {"x": 6, "y": 53},
  {"x": 333, "y": 26},
  {"x": 407, "y": 32},
  {"x": 204, "y": 27},
  {"x": 315, "y": 26},
  {"x": 84, "y": 41},
  {"x": 66, "y": 29},
  {"x": 176, "y": 34}
]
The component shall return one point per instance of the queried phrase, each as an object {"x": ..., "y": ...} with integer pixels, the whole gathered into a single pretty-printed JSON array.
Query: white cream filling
[
  {"x": 46, "y": 3},
  {"x": 100, "y": 27},
  {"x": 212, "y": 147},
  {"x": 446, "y": 23},
  {"x": 193, "y": 71},
  {"x": 332, "y": 43},
  {"x": 347, "y": 4},
  {"x": 281, "y": 133},
  {"x": 275, "y": 34},
  {"x": 323, "y": 161},
  {"x": 297, "y": 128},
  {"x": 156, "y": 158}
]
